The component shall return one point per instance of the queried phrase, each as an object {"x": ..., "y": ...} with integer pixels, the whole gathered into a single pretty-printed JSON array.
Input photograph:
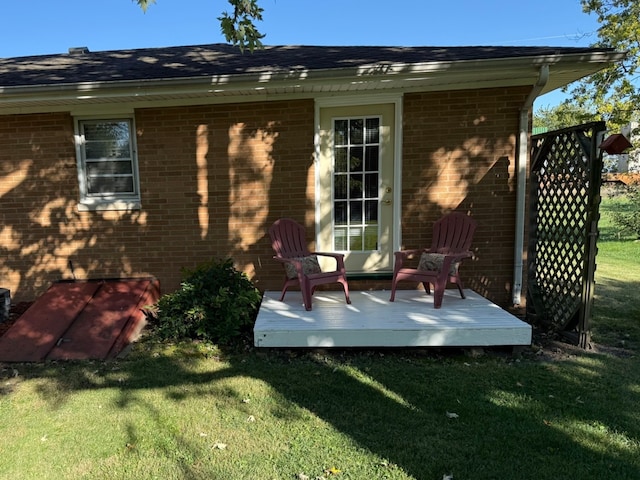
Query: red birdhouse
[{"x": 615, "y": 144}]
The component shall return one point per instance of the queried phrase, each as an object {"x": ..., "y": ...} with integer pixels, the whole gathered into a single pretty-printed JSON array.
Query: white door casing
[{"x": 357, "y": 180}]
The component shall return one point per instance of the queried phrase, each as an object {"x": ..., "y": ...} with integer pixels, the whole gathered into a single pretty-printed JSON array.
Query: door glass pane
[
  {"x": 340, "y": 132},
  {"x": 371, "y": 238},
  {"x": 340, "y": 238},
  {"x": 340, "y": 155},
  {"x": 355, "y": 239},
  {"x": 340, "y": 186},
  {"x": 372, "y": 158},
  {"x": 371, "y": 185},
  {"x": 356, "y": 179},
  {"x": 340, "y": 213},
  {"x": 355, "y": 186},
  {"x": 371, "y": 212},
  {"x": 355, "y": 212},
  {"x": 355, "y": 131},
  {"x": 355, "y": 159},
  {"x": 372, "y": 130}
]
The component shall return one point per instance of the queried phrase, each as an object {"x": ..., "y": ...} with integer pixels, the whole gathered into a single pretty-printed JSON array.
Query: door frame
[{"x": 396, "y": 100}]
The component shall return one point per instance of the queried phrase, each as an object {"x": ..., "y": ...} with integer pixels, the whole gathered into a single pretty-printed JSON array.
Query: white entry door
[{"x": 356, "y": 181}]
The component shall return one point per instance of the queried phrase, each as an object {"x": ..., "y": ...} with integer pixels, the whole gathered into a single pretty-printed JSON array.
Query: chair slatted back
[
  {"x": 288, "y": 239},
  {"x": 453, "y": 233}
]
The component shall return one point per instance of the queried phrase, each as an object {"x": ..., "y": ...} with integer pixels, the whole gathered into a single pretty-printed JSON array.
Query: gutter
[{"x": 521, "y": 182}]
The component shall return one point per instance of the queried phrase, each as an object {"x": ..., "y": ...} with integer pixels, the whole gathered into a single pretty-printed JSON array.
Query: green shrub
[
  {"x": 215, "y": 302},
  {"x": 629, "y": 217}
]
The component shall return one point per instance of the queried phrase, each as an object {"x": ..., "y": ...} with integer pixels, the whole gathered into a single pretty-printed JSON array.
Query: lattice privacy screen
[{"x": 565, "y": 184}]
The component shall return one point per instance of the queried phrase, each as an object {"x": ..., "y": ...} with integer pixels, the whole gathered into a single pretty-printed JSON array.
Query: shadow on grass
[
  {"x": 488, "y": 418},
  {"x": 616, "y": 314}
]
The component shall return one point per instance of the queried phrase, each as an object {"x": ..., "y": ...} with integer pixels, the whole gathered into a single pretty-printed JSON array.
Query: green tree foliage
[
  {"x": 613, "y": 92},
  {"x": 238, "y": 27},
  {"x": 562, "y": 116}
]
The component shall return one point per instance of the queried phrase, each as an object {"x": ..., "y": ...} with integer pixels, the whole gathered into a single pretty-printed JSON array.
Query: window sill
[{"x": 109, "y": 205}]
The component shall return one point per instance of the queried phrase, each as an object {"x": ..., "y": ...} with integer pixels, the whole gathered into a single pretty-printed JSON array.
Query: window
[
  {"x": 107, "y": 165},
  {"x": 356, "y": 172}
]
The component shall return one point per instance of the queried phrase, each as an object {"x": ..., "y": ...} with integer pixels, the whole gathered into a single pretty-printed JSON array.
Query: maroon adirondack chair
[
  {"x": 301, "y": 265},
  {"x": 439, "y": 264}
]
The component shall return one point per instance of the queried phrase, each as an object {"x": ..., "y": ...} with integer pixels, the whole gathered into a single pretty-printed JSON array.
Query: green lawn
[{"x": 192, "y": 411}]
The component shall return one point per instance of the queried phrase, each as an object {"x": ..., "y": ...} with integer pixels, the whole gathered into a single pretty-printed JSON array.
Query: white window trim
[{"x": 126, "y": 202}]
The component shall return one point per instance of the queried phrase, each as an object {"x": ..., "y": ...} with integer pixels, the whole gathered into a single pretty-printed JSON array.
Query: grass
[{"x": 193, "y": 411}]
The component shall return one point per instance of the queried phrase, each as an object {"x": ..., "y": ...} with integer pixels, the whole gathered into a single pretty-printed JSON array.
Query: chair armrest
[
  {"x": 338, "y": 257},
  {"x": 330, "y": 254},
  {"x": 292, "y": 261},
  {"x": 408, "y": 253},
  {"x": 402, "y": 255}
]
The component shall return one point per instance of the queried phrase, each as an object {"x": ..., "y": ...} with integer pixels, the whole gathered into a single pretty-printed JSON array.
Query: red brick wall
[
  {"x": 213, "y": 178},
  {"x": 459, "y": 154}
]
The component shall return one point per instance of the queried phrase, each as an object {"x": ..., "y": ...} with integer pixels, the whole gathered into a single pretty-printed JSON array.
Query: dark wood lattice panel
[{"x": 565, "y": 178}]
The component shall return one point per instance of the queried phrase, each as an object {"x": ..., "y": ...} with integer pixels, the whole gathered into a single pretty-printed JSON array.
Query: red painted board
[
  {"x": 138, "y": 319},
  {"x": 99, "y": 325},
  {"x": 38, "y": 329}
]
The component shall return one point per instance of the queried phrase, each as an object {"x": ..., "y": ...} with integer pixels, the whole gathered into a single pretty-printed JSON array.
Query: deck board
[{"x": 372, "y": 321}]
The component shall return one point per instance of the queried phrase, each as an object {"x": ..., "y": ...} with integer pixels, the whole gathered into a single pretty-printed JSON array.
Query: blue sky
[{"x": 44, "y": 26}]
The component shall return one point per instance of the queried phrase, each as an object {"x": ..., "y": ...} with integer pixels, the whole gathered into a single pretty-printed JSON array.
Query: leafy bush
[
  {"x": 215, "y": 303},
  {"x": 629, "y": 218}
]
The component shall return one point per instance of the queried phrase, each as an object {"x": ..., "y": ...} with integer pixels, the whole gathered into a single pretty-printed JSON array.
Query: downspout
[{"x": 521, "y": 182}]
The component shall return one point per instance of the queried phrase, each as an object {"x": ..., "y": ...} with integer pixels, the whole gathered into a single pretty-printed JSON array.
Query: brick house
[{"x": 143, "y": 162}]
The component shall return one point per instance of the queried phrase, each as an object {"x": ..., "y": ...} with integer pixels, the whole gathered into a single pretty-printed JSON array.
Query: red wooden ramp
[{"x": 92, "y": 319}]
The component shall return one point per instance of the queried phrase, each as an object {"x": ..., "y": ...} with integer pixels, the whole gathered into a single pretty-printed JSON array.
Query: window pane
[
  {"x": 340, "y": 156},
  {"x": 113, "y": 131},
  {"x": 355, "y": 239},
  {"x": 340, "y": 213},
  {"x": 371, "y": 237},
  {"x": 371, "y": 158},
  {"x": 355, "y": 131},
  {"x": 371, "y": 211},
  {"x": 355, "y": 212},
  {"x": 371, "y": 185},
  {"x": 373, "y": 130},
  {"x": 109, "y": 185},
  {"x": 340, "y": 186},
  {"x": 340, "y": 132},
  {"x": 340, "y": 238},
  {"x": 355, "y": 186},
  {"x": 355, "y": 159},
  {"x": 107, "y": 149},
  {"x": 107, "y": 140},
  {"x": 108, "y": 168}
]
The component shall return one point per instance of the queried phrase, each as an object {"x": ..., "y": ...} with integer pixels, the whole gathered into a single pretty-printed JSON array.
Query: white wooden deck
[{"x": 372, "y": 321}]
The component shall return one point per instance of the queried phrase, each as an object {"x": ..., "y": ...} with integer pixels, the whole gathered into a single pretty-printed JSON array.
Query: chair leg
[
  {"x": 438, "y": 291},
  {"x": 287, "y": 283},
  {"x": 307, "y": 293},
  {"x": 460, "y": 286},
  {"x": 345, "y": 287},
  {"x": 284, "y": 290},
  {"x": 393, "y": 289},
  {"x": 437, "y": 298}
]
